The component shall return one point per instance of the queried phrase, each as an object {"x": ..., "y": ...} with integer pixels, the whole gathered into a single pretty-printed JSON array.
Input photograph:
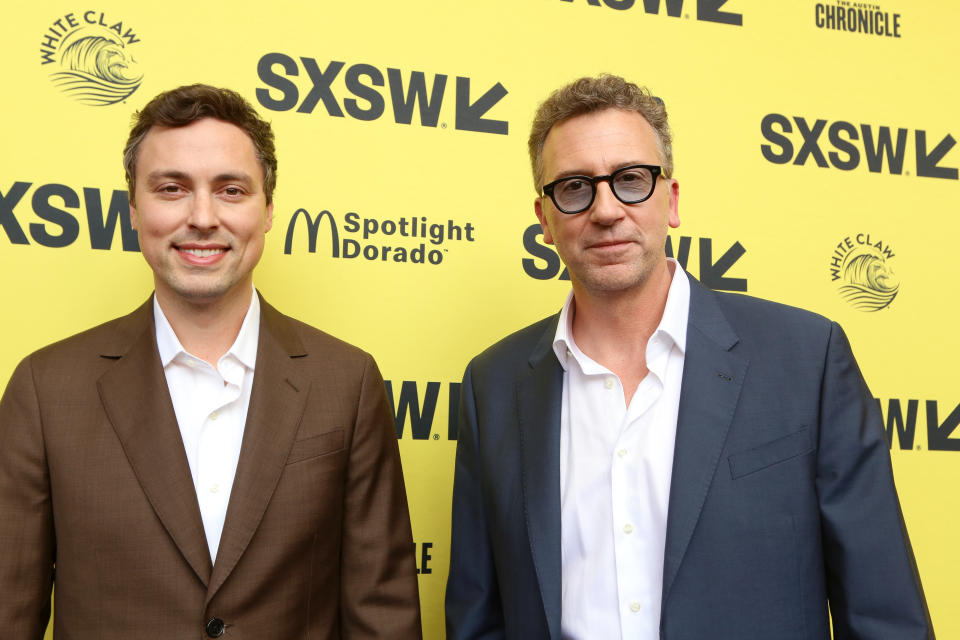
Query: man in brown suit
[{"x": 204, "y": 466}]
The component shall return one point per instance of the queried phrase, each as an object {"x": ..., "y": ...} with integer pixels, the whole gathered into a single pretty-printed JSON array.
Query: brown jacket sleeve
[
  {"x": 27, "y": 551},
  {"x": 378, "y": 575}
]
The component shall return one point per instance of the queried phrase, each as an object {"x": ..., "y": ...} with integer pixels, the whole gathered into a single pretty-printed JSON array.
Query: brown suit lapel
[
  {"x": 277, "y": 402},
  {"x": 137, "y": 401}
]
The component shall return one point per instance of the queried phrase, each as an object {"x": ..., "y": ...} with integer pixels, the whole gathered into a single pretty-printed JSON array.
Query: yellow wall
[{"x": 722, "y": 71}]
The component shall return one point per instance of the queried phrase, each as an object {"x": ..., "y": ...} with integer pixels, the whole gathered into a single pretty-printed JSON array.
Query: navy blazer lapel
[
  {"x": 539, "y": 398},
  {"x": 137, "y": 401},
  {"x": 277, "y": 402},
  {"x": 712, "y": 379}
]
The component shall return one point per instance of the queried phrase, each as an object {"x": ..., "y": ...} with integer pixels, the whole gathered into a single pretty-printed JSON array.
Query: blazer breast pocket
[
  {"x": 771, "y": 453},
  {"x": 316, "y": 446}
]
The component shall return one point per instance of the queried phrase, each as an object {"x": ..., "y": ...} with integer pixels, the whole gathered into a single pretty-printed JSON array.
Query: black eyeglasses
[{"x": 575, "y": 194}]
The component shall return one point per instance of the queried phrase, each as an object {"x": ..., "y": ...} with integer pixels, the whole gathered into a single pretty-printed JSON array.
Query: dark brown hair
[{"x": 184, "y": 105}]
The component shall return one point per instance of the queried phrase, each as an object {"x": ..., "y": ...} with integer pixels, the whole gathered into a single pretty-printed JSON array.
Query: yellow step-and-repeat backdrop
[{"x": 815, "y": 148}]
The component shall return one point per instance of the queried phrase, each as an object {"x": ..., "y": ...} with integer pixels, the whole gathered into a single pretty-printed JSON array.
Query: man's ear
[
  {"x": 674, "y": 219},
  {"x": 268, "y": 222},
  {"x": 133, "y": 214},
  {"x": 542, "y": 217}
]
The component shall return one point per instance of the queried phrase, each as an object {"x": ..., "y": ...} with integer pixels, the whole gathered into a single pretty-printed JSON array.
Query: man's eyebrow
[
  {"x": 580, "y": 172},
  {"x": 233, "y": 177},
  {"x": 162, "y": 174},
  {"x": 571, "y": 172},
  {"x": 173, "y": 174}
]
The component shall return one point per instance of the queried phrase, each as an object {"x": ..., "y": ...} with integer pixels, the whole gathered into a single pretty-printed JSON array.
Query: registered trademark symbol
[
  {"x": 906, "y": 173},
  {"x": 436, "y": 436},
  {"x": 919, "y": 447},
  {"x": 686, "y": 16},
  {"x": 443, "y": 125}
]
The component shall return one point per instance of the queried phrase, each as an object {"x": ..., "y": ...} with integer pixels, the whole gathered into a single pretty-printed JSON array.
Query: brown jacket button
[{"x": 215, "y": 627}]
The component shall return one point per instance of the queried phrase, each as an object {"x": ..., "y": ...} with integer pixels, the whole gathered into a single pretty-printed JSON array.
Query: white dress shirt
[
  {"x": 615, "y": 468},
  {"x": 211, "y": 407}
]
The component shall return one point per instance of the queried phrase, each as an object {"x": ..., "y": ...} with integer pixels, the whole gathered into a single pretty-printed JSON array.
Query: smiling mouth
[{"x": 203, "y": 253}]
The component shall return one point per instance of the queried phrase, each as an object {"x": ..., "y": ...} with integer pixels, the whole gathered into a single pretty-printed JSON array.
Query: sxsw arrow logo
[
  {"x": 928, "y": 164},
  {"x": 842, "y": 145},
  {"x": 707, "y": 10},
  {"x": 470, "y": 116},
  {"x": 367, "y": 90},
  {"x": 938, "y": 434},
  {"x": 712, "y": 274}
]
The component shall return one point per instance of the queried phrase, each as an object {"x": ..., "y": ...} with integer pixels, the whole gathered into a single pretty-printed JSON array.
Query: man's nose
[
  {"x": 203, "y": 214},
  {"x": 606, "y": 209}
]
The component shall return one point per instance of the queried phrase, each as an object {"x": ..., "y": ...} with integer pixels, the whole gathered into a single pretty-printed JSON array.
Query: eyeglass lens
[{"x": 631, "y": 184}]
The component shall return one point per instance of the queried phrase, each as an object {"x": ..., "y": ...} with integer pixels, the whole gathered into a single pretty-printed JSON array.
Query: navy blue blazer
[{"x": 782, "y": 497}]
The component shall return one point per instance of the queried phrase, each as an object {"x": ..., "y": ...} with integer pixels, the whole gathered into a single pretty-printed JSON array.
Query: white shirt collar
[
  {"x": 673, "y": 323},
  {"x": 244, "y": 348}
]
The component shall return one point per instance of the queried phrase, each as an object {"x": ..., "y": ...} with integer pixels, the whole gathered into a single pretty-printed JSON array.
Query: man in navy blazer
[{"x": 660, "y": 460}]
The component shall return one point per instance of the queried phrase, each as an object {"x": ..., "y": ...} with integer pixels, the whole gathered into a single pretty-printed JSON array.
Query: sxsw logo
[
  {"x": 367, "y": 93},
  {"x": 418, "y": 408},
  {"x": 52, "y": 216},
  {"x": 707, "y": 10},
  {"x": 545, "y": 263},
  {"x": 901, "y": 425},
  {"x": 844, "y": 145}
]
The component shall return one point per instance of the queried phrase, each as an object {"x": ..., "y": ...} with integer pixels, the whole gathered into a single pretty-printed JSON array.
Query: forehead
[
  {"x": 207, "y": 144},
  {"x": 599, "y": 142}
]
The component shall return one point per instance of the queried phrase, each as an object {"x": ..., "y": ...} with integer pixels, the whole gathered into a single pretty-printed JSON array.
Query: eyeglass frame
[{"x": 655, "y": 170}]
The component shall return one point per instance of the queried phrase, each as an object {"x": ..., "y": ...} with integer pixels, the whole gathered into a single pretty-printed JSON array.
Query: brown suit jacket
[{"x": 95, "y": 488}]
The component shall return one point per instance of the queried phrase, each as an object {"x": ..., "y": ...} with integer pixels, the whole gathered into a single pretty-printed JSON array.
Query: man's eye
[
  {"x": 170, "y": 188},
  {"x": 574, "y": 185},
  {"x": 233, "y": 191},
  {"x": 635, "y": 175}
]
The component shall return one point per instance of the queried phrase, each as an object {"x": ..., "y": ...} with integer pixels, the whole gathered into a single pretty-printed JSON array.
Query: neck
[
  {"x": 613, "y": 328},
  {"x": 207, "y": 329}
]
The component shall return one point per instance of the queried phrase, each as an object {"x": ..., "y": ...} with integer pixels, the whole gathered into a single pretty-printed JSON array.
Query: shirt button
[
  {"x": 213, "y": 416},
  {"x": 608, "y": 383},
  {"x": 214, "y": 487},
  {"x": 621, "y": 453},
  {"x": 635, "y": 606},
  {"x": 569, "y": 353},
  {"x": 628, "y": 528}
]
